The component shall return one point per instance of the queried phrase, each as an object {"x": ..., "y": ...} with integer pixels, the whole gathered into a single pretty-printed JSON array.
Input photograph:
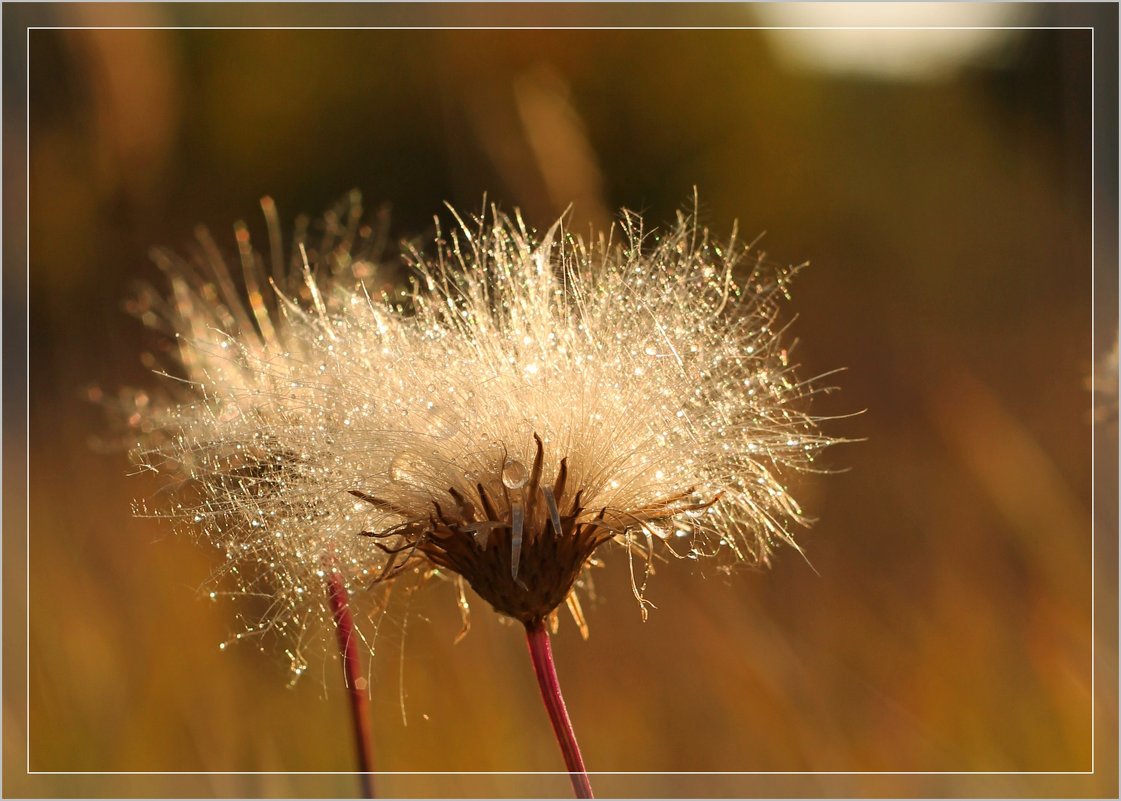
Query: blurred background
[{"x": 938, "y": 181}]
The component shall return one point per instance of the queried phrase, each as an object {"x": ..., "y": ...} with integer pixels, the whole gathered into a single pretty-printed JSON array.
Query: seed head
[{"x": 530, "y": 400}]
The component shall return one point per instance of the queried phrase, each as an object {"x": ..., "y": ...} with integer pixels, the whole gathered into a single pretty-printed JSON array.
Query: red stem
[
  {"x": 352, "y": 671},
  {"x": 541, "y": 652}
]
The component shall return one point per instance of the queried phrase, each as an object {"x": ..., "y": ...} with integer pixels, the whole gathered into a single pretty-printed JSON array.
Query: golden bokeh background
[{"x": 940, "y": 183}]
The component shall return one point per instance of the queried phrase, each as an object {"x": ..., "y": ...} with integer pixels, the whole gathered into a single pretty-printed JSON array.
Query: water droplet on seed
[
  {"x": 229, "y": 413},
  {"x": 403, "y": 469},
  {"x": 514, "y": 474},
  {"x": 442, "y": 421}
]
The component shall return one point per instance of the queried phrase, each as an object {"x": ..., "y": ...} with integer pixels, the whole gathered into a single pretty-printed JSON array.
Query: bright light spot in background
[{"x": 893, "y": 54}]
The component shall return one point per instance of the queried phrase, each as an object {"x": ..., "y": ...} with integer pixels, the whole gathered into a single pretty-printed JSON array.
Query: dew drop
[
  {"x": 403, "y": 469},
  {"x": 514, "y": 474},
  {"x": 698, "y": 505},
  {"x": 229, "y": 413},
  {"x": 442, "y": 422}
]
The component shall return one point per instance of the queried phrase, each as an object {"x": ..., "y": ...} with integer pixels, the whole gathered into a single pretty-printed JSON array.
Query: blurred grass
[{"x": 945, "y": 625}]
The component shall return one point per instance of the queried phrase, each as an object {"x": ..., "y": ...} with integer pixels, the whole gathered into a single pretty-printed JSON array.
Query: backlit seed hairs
[{"x": 531, "y": 399}]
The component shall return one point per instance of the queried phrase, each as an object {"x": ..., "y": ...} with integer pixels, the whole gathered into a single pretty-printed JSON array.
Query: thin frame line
[
  {"x": 1093, "y": 705},
  {"x": 27, "y": 389},
  {"x": 557, "y": 28},
  {"x": 560, "y": 773},
  {"x": 1093, "y": 417}
]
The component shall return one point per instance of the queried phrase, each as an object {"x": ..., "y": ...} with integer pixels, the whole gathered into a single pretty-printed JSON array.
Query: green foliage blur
[{"x": 942, "y": 618}]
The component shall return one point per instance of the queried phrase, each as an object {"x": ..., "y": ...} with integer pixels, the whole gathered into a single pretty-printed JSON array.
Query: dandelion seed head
[{"x": 531, "y": 399}]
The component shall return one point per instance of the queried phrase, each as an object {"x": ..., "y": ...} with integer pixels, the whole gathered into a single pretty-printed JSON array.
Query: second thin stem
[
  {"x": 541, "y": 652},
  {"x": 355, "y": 681}
]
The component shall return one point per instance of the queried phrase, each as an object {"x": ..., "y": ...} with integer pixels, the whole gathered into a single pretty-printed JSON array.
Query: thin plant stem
[
  {"x": 541, "y": 652},
  {"x": 355, "y": 681}
]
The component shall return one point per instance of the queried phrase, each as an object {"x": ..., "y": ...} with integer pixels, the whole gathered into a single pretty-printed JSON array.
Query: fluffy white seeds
[{"x": 531, "y": 398}]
